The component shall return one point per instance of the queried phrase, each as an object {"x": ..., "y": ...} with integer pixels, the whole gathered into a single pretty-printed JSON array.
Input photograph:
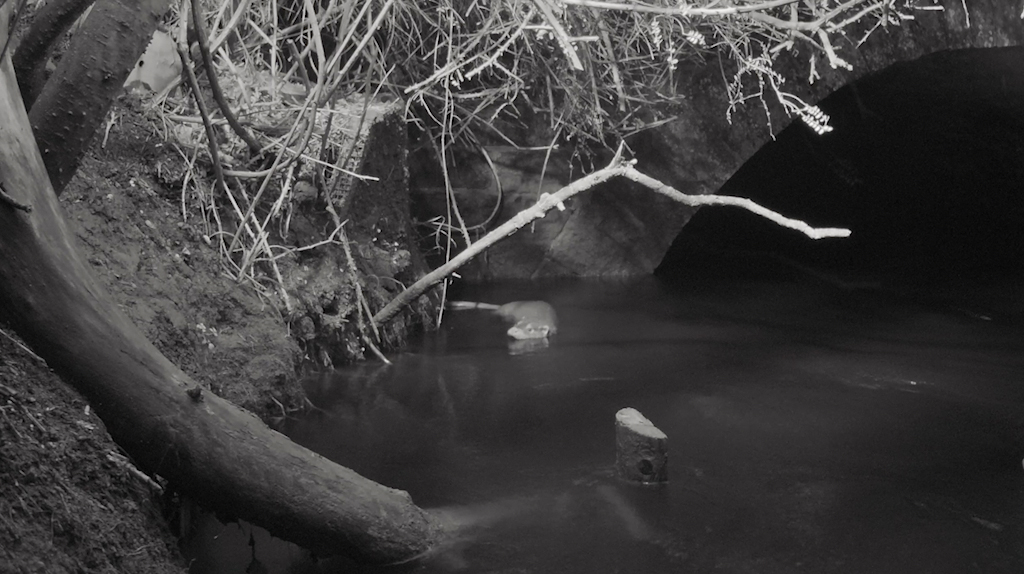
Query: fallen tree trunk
[{"x": 222, "y": 456}]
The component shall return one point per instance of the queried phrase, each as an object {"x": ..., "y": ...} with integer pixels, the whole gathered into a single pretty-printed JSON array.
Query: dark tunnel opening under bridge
[{"x": 925, "y": 165}]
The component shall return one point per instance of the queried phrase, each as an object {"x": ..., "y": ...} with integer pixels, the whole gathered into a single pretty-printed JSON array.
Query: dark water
[{"x": 811, "y": 429}]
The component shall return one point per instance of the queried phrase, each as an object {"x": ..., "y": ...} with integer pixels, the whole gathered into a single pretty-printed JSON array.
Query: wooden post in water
[{"x": 641, "y": 449}]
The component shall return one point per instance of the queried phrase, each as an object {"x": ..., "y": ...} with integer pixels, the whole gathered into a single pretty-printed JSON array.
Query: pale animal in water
[{"x": 530, "y": 319}]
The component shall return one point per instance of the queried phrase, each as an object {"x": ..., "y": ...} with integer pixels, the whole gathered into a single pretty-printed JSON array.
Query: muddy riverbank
[{"x": 69, "y": 501}]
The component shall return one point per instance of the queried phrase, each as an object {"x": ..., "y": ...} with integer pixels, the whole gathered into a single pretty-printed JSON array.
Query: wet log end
[{"x": 641, "y": 449}]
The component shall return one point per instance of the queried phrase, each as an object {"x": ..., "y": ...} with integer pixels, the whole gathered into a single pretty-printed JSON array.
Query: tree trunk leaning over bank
[
  {"x": 218, "y": 454},
  {"x": 76, "y": 99},
  {"x": 49, "y": 23}
]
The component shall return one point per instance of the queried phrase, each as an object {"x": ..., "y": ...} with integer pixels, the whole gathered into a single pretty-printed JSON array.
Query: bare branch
[
  {"x": 211, "y": 134},
  {"x": 13, "y": 202},
  {"x": 211, "y": 74},
  {"x": 742, "y": 202},
  {"x": 617, "y": 167}
]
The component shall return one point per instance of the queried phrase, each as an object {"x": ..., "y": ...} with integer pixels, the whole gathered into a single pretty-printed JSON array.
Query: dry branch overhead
[
  {"x": 588, "y": 73},
  {"x": 618, "y": 167},
  {"x": 606, "y": 69},
  {"x": 218, "y": 454}
]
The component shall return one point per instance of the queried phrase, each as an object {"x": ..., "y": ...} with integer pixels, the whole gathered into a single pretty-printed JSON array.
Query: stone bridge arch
[{"x": 618, "y": 230}]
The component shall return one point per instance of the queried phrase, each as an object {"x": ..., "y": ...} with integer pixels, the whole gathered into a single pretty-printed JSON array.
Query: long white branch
[
  {"x": 617, "y": 167},
  {"x": 649, "y": 182}
]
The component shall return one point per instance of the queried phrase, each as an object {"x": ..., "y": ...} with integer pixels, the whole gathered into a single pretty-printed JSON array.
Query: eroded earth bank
[{"x": 69, "y": 500}]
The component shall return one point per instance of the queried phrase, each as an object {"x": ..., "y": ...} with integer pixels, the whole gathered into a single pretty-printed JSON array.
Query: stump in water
[{"x": 641, "y": 449}]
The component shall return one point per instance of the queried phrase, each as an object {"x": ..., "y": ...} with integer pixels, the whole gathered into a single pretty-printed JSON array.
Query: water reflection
[{"x": 809, "y": 430}]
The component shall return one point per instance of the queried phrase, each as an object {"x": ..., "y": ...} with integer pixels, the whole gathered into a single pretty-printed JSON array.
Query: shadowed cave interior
[{"x": 925, "y": 165}]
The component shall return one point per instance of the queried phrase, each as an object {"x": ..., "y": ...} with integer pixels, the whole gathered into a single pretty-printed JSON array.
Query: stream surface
[{"x": 811, "y": 429}]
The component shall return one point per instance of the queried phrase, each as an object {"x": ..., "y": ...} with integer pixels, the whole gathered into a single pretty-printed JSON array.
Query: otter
[{"x": 530, "y": 319}]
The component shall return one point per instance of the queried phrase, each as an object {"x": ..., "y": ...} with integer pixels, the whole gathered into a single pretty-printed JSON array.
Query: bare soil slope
[{"x": 68, "y": 500}]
